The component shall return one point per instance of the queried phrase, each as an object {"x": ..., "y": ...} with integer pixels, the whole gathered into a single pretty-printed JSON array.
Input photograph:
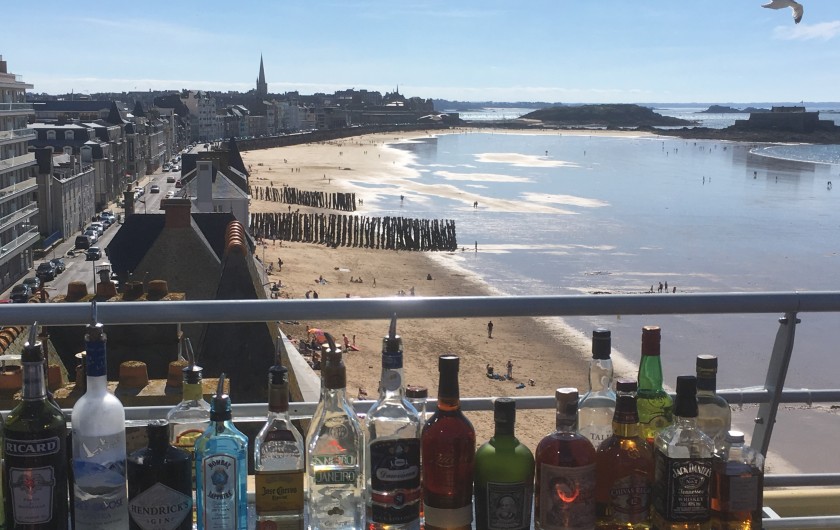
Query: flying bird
[{"x": 796, "y": 7}]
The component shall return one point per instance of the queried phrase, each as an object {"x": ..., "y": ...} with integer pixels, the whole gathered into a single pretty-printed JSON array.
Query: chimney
[
  {"x": 128, "y": 201},
  {"x": 177, "y": 213},
  {"x": 204, "y": 181}
]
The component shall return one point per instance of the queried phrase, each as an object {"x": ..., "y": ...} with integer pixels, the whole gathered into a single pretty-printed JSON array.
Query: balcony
[
  {"x": 17, "y": 135},
  {"x": 24, "y": 213},
  {"x": 17, "y": 162},
  {"x": 781, "y": 493},
  {"x": 14, "y": 247},
  {"x": 16, "y": 109}
]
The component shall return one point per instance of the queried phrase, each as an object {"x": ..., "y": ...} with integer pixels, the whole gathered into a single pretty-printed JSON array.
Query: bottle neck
[
  {"x": 600, "y": 375},
  {"x": 158, "y": 441},
  {"x": 504, "y": 429},
  {"x": 192, "y": 391},
  {"x": 34, "y": 388},
  {"x": 334, "y": 397},
  {"x": 706, "y": 384},
  {"x": 391, "y": 385},
  {"x": 650, "y": 373},
  {"x": 278, "y": 399},
  {"x": 96, "y": 367},
  {"x": 685, "y": 406},
  {"x": 449, "y": 394}
]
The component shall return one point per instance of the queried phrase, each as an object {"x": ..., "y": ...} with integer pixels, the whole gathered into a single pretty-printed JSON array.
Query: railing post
[{"x": 775, "y": 382}]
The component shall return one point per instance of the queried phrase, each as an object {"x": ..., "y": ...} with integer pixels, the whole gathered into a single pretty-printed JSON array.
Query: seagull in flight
[{"x": 781, "y": 4}]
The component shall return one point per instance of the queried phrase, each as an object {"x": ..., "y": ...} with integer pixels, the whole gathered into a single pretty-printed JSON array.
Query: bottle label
[
  {"x": 32, "y": 494},
  {"x": 743, "y": 493},
  {"x": 99, "y": 487},
  {"x": 192, "y": 392},
  {"x": 681, "y": 488},
  {"x": 279, "y": 492},
  {"x": 160, "y": 508},
  {"x": 340, "y": 469},
  {"x": 448, "y": 517},
  {"x": 508, "y": 505},
  {"x": 630, "y": 499},
  {"x": 395, "y": 481},
  {"x": 221, "y": 502},
  {"x": 391, "y": 380},
  {"x": 95, "y": 363},
  {"x": 567, "y": 497},
  {"x": 185, "y": 435},
  {"x": 596, "y": 433}
]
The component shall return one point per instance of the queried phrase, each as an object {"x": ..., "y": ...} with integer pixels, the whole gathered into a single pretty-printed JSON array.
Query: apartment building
[{"x": 18, "y": 186}]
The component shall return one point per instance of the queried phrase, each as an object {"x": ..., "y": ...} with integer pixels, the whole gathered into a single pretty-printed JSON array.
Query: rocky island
[{"x": 606, "y": 115}]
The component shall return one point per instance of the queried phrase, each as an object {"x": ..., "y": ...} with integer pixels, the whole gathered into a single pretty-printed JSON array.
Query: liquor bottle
[
  {"x": 738, "y": 486},
  {"x": 417, "y": 396},
  {"x": 99, "y": 453},
  {"x": 714, "y": 416},
  {"x": 35, "y": 446},
  {"x": 279, "y": 460},
  {"x": 448, "y": 453},
  {"x": 393, "y": 457},
  {"x": 504, "y": 475},
  {"x": 160, "y": 483},
  {"x": 683, "y": 467},
  {"x": 335, "y": 446},
  {"x": 624, "y": 468},
  {"x": 221, "y": 475},
  {"x": 189, "y": 419},
  {"x": 596, "y": 408},
  {"x": 44, "y": 338},
  {"x": 653, "y": 403},
  {"x": 565, "y": 465}
]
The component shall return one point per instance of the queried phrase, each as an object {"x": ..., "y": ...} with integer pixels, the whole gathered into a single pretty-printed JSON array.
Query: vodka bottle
[
  {"x": 714, "y": 416},
  {"x": 99, "y": 453},
  {"x": 683, "y": 467},
  {"x": 595, "y": 411},
  {"x": 189, "y": 419},
  {"x": 335, "y": 446},
  {"x": 279, "y": 460},
  {"x": 565, "y": 465},
  {"x": 653, "y": 403},
  {"x": 160, "y": 483},
  {"x": 504, "y": 475},
  {"x": 448, "y": 453},
  {"x": 393, "y": 457},
  {"x": 35, "y": 446},
  {"x": 221, "y": 459},
  {"x": 738, "y": 487}
]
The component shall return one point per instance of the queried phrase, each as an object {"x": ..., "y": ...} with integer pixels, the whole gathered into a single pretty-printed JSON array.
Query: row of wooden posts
[{"x": 318, "y": 199}]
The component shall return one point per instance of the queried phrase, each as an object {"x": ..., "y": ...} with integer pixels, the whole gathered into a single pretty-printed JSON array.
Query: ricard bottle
[
  {"x": 595, "y": 411},
  {"x": 624, "y": 469},
  {"x": 653, "y": 403},
  {"x": 221, "y": 475},
  {"x": 35, "y": 448},
  {"x": 279, "y": 461},
  {"x": 393, "y": 459},
  {"x": 504, "y": 475},
  {"x": 335, "y": 451},
  {"x": 448, "y": 453},
  {"x": 714, "y": 417},
  {"x": 160, "y": 483},
  {"x": 683, "y": 467},
  {"x": 564, "y": 497},
  {"x": 738, "y": 487},
  {"x": 99, "y": 451}
]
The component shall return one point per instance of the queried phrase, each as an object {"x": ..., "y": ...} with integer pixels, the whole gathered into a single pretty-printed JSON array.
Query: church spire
[{"x": 262, "y": 86}]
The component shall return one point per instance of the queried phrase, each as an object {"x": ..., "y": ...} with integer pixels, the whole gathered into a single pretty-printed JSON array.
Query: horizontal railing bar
[
  {"x": 813, "y": 479},
  {"x": 420, "y": 307},
  {"x": 802, "y": 522}
]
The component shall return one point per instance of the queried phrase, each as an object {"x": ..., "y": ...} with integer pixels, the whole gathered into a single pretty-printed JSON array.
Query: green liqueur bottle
[
  {"x": 503, "y": 476},
  {"x": 653, "y": 403},
  {"x": 35, "y": 445}
]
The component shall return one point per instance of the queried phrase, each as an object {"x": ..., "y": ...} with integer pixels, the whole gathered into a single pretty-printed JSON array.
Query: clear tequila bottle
[
  {"x": 335, "y": 446},
  {"x": 595, "y": 411}
]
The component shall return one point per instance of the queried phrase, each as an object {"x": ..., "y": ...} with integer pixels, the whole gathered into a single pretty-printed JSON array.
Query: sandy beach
[{"x": 551, "y": 357}]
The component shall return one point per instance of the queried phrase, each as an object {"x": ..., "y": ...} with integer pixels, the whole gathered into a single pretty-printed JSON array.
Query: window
[
  {"x": 68, "y": 135},
  {"x": 50, "y": 135}
]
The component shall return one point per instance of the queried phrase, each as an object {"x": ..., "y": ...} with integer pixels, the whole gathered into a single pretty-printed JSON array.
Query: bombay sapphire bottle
[{"x": 221, "y": 459}]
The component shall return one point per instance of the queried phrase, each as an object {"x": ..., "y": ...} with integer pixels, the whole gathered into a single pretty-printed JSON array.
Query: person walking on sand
[
  {"x": 490, "y": 330},
  {"x": 509, "y": 367}
]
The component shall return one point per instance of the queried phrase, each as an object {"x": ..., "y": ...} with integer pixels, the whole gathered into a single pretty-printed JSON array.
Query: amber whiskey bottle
[
  {"x": 624, "y": 477},
  {"x": 447, "y": 453},
  {"x": 564, "y": 493}
]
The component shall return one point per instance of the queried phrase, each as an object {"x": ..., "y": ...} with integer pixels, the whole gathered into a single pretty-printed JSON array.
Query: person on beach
[
  {"x": 315, "y": 294},
  {"x": 490, "y": 330},
  {"x": 309, "y": 292},
  {"x": 509, "y": 367},
  {"x": 346, "y": 341},
  {"x": 666, "y": 286}
]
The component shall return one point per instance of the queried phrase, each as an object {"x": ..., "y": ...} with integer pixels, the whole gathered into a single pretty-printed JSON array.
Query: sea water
[{"x": 562, "y": 214}]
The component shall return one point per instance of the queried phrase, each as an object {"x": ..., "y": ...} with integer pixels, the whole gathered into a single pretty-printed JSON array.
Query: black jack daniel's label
[{"x": 681, "y": 491}]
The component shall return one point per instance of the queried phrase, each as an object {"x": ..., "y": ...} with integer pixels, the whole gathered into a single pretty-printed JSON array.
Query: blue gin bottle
[{"x": 221, "y": 469}]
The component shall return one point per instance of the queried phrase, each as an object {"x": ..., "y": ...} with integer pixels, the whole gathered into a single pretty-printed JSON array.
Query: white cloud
[{"x": 822, "y": 31}]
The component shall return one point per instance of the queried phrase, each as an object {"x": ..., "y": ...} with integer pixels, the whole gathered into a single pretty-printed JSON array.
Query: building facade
[
  {"x": 18, "y": 186},
  {"x": 65, "y": 192}
]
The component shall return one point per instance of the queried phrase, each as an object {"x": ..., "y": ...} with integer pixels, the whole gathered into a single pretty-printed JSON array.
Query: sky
[{"x": 583, "y": 51}]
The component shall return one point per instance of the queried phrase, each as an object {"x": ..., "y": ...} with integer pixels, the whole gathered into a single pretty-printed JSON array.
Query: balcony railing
[
  {"x": 788, "y": 304},
  {"x": 17, "y": 135},
  {"x": 17, "y": 107},
  {"x": 27, "y": 211},
  {"x": 15, "y": 162},
  {"x": 18, "y": 188},
  {"x": 13, "y": 247}
]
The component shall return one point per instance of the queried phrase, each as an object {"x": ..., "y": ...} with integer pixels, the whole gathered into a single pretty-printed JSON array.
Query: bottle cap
[
  {"x": 416, "y": 392},
  {"x": 95, "y": 329},
  {"x": 686, "y": 385},
  {"x": 707, "y": 364},
  {"x": 651, "y": 336},
  {"x": 333, "y": 371},
  {"x": 567, "y": 402},
  {"x": 685, "y": 405},
  {"x": 735, "y": 437},
  {"x": 449, "y": 362},
  {"x": 157, "y": 431},
  {"x": 220, "y": 405},
  {"x": 278, "y": 375},
  {"x": 192, "y": 372},
  {"x": 392, "y": 348},
  {"x": 504, "y": 411},
  {"x": 32, "y": 350},
  {"x": 626, "y": 385},
  {"x": 601, "y": 344}
]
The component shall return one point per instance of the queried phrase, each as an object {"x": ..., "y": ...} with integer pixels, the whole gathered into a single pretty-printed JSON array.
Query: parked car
[
  {"x": 99, "y": 225},
  {"x": 20, "y": 293},
  {"x": 154, "y": 189},
  {"x": 179, "y": 184},
  {"x": 170, "y": 179},
  {"x": 33, "y": 282},
  {"x": 59, "y": 265},
  {"x": 82, "y": 242},
  {"x": 98, "y": 229},
  {"x": 46, "y": 271},
  {"x": 93, "y": 254},
  {"x": 92, "y": 234}
]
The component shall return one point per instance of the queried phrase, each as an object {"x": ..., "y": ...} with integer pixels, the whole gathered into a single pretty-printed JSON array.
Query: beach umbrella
[{"x": 319, "y": 335}]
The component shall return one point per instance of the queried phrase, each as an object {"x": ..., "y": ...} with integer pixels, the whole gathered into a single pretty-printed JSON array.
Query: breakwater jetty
[
  {"x": 341, "y": 230},
  {"x": 318, "y": 199}
]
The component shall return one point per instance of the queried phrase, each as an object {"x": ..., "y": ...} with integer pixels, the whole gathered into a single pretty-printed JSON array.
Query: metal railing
[
  {"x": 15, "y": 162},
  {"x": 18, "y": 134},
  {"x": 788, "y": 304},
  {"x": 27, "y": 211},
  {"x": 7, "y": 107}
]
